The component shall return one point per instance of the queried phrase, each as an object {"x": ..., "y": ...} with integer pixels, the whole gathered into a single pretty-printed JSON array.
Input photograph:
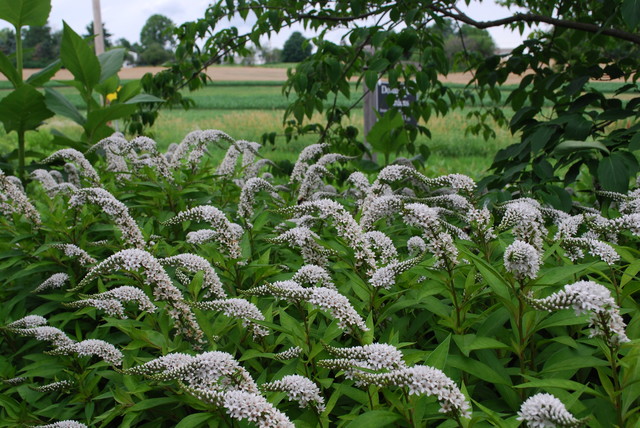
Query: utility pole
[{"x": 97, "y": 28}]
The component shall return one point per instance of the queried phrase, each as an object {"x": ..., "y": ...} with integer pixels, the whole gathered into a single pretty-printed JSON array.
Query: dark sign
[{"x": 383, "y": 90}]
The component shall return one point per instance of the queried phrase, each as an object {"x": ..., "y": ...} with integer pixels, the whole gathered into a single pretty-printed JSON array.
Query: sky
[{"x": 125, "y": 18}]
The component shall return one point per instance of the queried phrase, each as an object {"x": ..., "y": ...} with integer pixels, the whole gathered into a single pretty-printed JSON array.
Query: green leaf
[
  {"x": 7, "y": 68},
  {"x": 574, "y": 363},
  {"x": 111, "y": 62},
  {"x": 631, "y": 13},
  {"x": 471, "y": 342},
  {"x": 78, "y": 57},
  {"x": 556, "y": 383},
  {"x": 477, "y": 369},
  {"x": 44, "y": 75},
  {"x": 59, "y": 104},
  {"x": 23, "y": 109},
  {"x": 613, "y": 173},
  {"x": 571, "y": 146},
  {"x": 387, "y": 135},
  {"x": 375, "y": 418},
  {"x": 101, "y": 117},
  {"x": 144, "y": 98},
  {"x": 153, "y": 402},
  {"x": 25, "y": 12},
  {"x": 194, "y": 420},
  {"x": 438, "y": 357}
]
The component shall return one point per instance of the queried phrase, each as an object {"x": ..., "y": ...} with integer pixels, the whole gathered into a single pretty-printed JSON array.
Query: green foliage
[
  {"x": 469, "y": 313},
  {"x": 589, "y": 41}
]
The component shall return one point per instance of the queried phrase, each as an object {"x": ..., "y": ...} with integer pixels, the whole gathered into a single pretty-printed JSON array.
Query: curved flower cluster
[
  {"x": 193, "y": 263},
  {"x": 12, "y": 199},
  {"x": 588, "y": 296},
  {"x": 596, "y": 248},
  {"x": 247, "y": 196},
  {"x": 62, "y": 344},
  {"x": 544, "y": 410},
  {"x": 217, "y": 378},
  {"x": 15, "y": 381},
  {"x": 56, "y": 280},
  {"x": 242, "y": 405},
  {"x": 439, "y": 241},
  {"x": 298, "y": 388},
  {"x": 525, "y": 219},
  {"x": 386, "y": 277},
  {"x": 314, "y": 275},
  {"x": 156, "y": 278},
  {"x": 194, "y": 146},
  {"x": 382, "y": 245},
  {"x": 63, "y": 424},
  {"x": 345, "y": 225},
  {"x": 416, "y": 245},
  {"x": 29, "y": 321},
  {"x": 308, "y": 153},
  {"x": 380, "y": 207},
  {"x": 115, "y": 209},
  {"x": 86, "y": 169},
  {"x": 377, "y": 356},
  {"x": 89, "y": 347},
  {"x": 312, "y": 180},
  {"x": 111, "y": 301},
  {"x": 54, "y": 386},
  {"x": 522, "y": 260},
  {"x": 289, "y": 354},
  {"x": 325, "y": 298},
  {"x": 50, "y": 184},
  {"x": 74, "y": 251},
  {"x": 306, "y": 239},
  {"x": 227, "y": 233},
  {"x": 238, "y": 308},
  {"x": 421, "y": 380}
]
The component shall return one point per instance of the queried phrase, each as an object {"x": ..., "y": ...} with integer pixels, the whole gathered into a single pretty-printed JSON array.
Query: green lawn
[{"x": 247, "y": 110}]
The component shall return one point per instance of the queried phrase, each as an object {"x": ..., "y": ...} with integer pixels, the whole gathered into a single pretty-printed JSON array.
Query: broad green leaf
[
  {"x": 101, "y": 117},
  {"x": 477, "y": 369},
  {"x": 78, "y": 57},
  {"x": 613, "y": 173},
  {"x": 574, "y": 363},
  {"x": 59, "y": 104},
  {"x": 471, "y": 342},
  {"x": 631, "y": 13},
  {"x": 438, "y": 357},
  {"x": 195, "y": 420},
  {"x": 44, "y": 75},
  {"x": 375, "y": 418},
  {"x": 569, "y": 385},
  {"x": 23, "y": 109},
  {"x": 25, "y": 12},
  {"x": 150, "y": 403},
  {"x": 571, "y": 146},
  {"x": 110, "y": 63},
  {"x": 7, "y": 68},
  {"x": 388, "y": 135},
  {"x": 561, "y": 275}
]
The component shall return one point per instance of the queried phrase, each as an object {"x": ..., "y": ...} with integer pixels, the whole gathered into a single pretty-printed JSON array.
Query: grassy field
[{"x": 246, "y": 110}]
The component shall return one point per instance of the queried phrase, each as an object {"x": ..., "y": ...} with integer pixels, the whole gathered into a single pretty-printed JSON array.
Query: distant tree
[
  {"x": 157, "y": 31},
  {"x": 294, "y": 49},
  {"x": 41, "y": 46},
  {"x": 468, "y": 44},
  {"x": 7, "y": 41},
  {"x": 107, "y": 35},
  {"x": 154, "y": 54}
]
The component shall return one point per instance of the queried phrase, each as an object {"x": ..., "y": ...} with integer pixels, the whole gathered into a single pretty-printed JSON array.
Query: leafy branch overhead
[{"x": 403, "y": 42}]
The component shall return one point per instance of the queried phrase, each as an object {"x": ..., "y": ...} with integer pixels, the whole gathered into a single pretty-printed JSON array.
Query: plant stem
[
  {"x": 19, "y": 53},
  {"x": 21, "y": 154}
]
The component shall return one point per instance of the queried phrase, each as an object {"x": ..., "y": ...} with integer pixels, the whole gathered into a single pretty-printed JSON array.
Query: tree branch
[{"x": 535, "y": 18}]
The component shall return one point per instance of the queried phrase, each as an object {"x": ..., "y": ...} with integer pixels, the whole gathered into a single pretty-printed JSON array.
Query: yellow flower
[{"x": 113, "y": 95}]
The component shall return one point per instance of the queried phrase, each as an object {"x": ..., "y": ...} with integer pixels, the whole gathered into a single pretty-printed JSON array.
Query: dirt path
[{"x": 231, "y": 74}]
